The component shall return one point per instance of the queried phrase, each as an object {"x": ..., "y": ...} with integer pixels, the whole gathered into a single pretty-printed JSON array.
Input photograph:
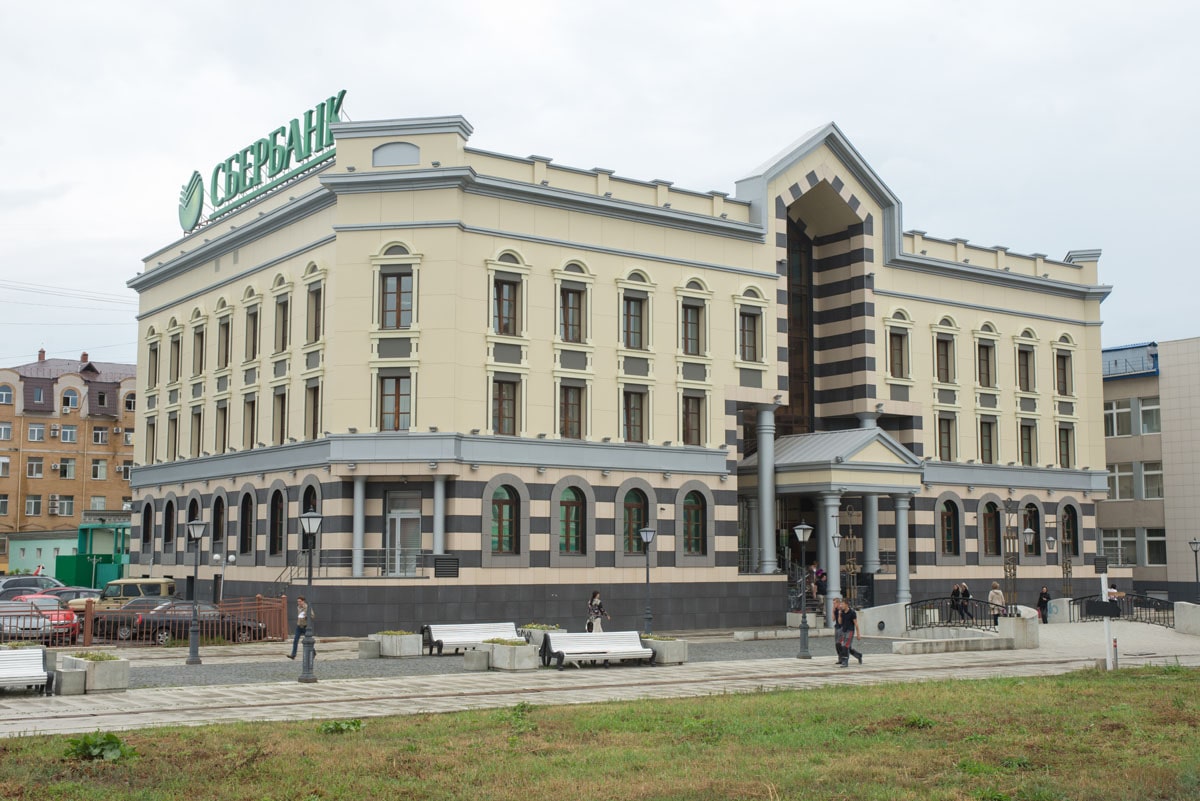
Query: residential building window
[
  {"x": 695, "y": 539},
  {"x": 69, "y": 434},
  {"x": 1025, "y": 369},
  {"x": 66, "y": 468},
  {"x": 504, "y": 520},
  {"x": 693, "y": 420},
  {"x": 571, "y": 307},
  {"x": 395, "y": 403},
  {"x": 4, "y": 469},
  {"x": 1151, "y": 417},
  {"x": 39, "y": 395},
  {"x": 33, "y": 505},
  {"x": 1152, "y": 480},
  {"x": 506, "y": 307},
  {"x": 279, "y": 413},
  {"x": 102, "y": 400},
  {"x": 897, "y": 353},
  {"x": 249, "y": 422},
  {"x": 633, "y": 519},
  {"x": 396, "y": 300},
  {"x": 127, "y": 469},
  {"x": 312, "y": 411},
  {"x": 172, "y": 438},
  {"x": 570, "y": 522},
  {"x": 991, "y": 530},
  {"x": 1120, "y": 546},
  {"x": 986, "y": 363},
  {"x": 66, "y": 505},
  {"x": 691, "y": 327},
  {"x": 127, "y": 437},
  {"x": 1156, "y": 546},
  {"x": 100, "y": 435},
  {"x": 1118, "y": 418},
  {"x": 252, "y": 333},
  {"x": 100, "y": 469},
  {"x": 37, "y": 432},
  {"x": 987, "y": 442},
  {"x": 5, "y": 431},
  {"x": 1066, "y": 446},
  {"x": 1069, "y": 530},
  {"x": 944, "y": 358},
  {"x": 197, "y": 431},
  {"x": 313, "y": 321},
  {"x": 173, "y": 359},
  {"x": 1064, "y": 380},
  {"x": 946, "y": 439},
  {"x": 1120, "y": 481},
  {"x": 34, "y": 467},
  {"x": 221, "y": 434},
  {"x": 152, "y": 364},
  {"x": 505, "y": 402},
  {"x": 1028, "y": 443},
  {"x": 6, "y": 395},
  {"x": 634, "y": 416},
  {"x": 246, "y": 525},
  {"x": 570, "y": 412},
  {"x": 283, "y": 323},
  {"x": 748, "y": 335},
  {"x": 633, "y": 323},
  {"x": 224, "y": 343},
  {"x": 131, "y": 402},
  {"x": 151, "y": 442},
  {"x": 275, "y": 524},
  {"x": 3, "y": 508},
  {"x": 198, "y": 351},
  {"x": 951, "y": 540},
  {"x": 70, "y": 400}
]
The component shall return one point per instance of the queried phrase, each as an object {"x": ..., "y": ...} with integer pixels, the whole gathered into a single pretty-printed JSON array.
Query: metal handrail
[
  {"x": 1129, "y": 606},
  {"x": 953, "y": 613}
]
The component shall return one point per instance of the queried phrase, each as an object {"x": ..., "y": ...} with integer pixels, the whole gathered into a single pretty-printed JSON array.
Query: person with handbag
[
  {"x": 996, "y": 599},
  {"x": 595, "y": 613}
]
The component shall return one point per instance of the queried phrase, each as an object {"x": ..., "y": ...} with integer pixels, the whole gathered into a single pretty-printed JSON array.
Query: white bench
[
  {"x": 607, "y": 646},
  {"x": 465, "y": 636},
  {"x": 24, "y": 667}
]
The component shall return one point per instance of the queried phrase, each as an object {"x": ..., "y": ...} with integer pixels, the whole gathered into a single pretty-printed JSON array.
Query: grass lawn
[{"x": 1131, "y": 734}]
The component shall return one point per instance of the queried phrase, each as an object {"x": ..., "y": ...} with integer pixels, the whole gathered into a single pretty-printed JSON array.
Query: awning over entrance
[{"x": 852, "y": 461}]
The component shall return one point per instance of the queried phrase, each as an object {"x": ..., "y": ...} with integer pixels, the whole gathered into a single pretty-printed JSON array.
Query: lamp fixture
[
  {"x": 724, "y": 477},
  {"x": 607, "y": 439},
  {"x": 351, "y": 466},
  {"x": 292, "y": 439},
  {"x": 437, "y": 163},
  {"x": 1027, "y": 535},
  {"x": 541, "y": 469},
  {"x": 1051, "y": 541},
  {"x": 474, "y": 430},
  {"x": 666, "y": 443},
  {"x": 970, "y": 488},
  {"x": 262, "y": 445},
  {"x": 433, "y": 465},
  {"x": 837, "y": 541},
  {"x": 433, "y": 429},
  {"x": 474, "y": 467},
  {"x": 352, "y": 430},
  {"x": 605, "y": 473},
  {"x": 541, "y": 436},
  {"x": 667, "y": 475}
]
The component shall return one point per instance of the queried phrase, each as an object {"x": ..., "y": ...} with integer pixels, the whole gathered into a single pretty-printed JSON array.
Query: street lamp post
[
  {"x": 647, "y": 535},
  {"x": 851, "y": 591},
  {"x": 803, "y": 531},
  {"x": 1010, "y": 552},
  {"x": 195, "y": 532},
  {"x": 310, "y": 527},
  {"x": 219, "y": 562},
  {"x": 1194, "y": 544}
]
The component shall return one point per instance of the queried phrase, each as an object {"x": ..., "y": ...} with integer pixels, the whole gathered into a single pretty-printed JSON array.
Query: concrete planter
[
  {"x": 668, "y": 652},
  {"x": 111, "y": 676},
  {"x": 394, "y": 645},
  {"x": 535, "y": 636},
  {"x": 514, "y": 657}
]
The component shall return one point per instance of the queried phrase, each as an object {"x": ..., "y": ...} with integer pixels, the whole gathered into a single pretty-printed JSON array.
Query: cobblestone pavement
[{"x": 257, "y": 682}]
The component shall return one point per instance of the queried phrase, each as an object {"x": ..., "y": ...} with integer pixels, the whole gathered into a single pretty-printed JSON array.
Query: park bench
[
  {"x": 24, "y": 667},
  {"x": 595, "y": 647},
  {"x": 465, "y": 636}
]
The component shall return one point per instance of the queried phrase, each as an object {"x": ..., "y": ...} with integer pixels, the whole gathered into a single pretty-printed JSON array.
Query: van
[{"x": 120, "y": 592}]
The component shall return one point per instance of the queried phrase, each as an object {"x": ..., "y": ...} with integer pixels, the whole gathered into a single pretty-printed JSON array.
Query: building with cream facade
[{"x": 488, "y": 373}]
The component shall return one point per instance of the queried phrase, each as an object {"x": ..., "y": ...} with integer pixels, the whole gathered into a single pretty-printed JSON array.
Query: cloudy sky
[{"x": 1044, "y": 127}]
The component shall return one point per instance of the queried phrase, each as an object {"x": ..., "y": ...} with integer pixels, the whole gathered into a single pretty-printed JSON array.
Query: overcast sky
[{"x": 1043, "y": 127}]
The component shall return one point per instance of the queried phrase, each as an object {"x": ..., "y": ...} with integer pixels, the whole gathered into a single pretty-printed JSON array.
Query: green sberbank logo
[{"x": 257, "y": 168}]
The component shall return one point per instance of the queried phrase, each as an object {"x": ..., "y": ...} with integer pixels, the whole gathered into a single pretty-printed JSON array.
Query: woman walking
[
  {"x": 595, "y": 612},
  {"x": 996, "y": 599}
]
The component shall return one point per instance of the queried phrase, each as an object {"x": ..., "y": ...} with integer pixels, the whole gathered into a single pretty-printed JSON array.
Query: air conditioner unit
[
  {"x": 54, "y": 431},
  {"x": 53, "y": 508},
  {"x": 118, "y": 430},
  {"x": 53, "y": 499},
  {"x": 54, "y": 466}
]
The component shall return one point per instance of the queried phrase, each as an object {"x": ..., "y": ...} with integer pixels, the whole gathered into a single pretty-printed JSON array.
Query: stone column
[
  {"x": 870, "y": 528},
  {"x": 830, "y": 503},
  {"x": 752, "y": 527},
  {"x": 766, "y": 489},
  {"x": 439, "y": 514},
  {"x": 903, "y": 592},
  {"x": 358, "y": 533}
]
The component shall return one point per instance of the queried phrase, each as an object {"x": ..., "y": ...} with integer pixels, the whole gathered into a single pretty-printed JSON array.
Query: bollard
[{"x": 1114, "y": 653}]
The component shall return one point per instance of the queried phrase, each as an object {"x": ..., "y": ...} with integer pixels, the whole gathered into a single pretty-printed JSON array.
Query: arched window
[
  {"x": 310, "y": 500},
  {"x": 570, "y": 522},
  {"x": 991, "y": 530},
  {"x": 70, "y": 399},
  {"x": 1069, "y": 530},
  {"x": 634, "y": 520},
  {"x": 218, "y": 522},
  {"x": 1032, "y": 520},
  {"x": 6, "y": 394},
  {"x": 168, "y": 525},
  {"x": 147, "y": 523},
  {"x": 193, "y": 509},
  {"x": 948, "y": 526},
  {"x": 246, "y": 525},
  {"x": 275, "y": 524},
  {"x": 695, "y": 539},
  {"x": 504, "y": 520}
]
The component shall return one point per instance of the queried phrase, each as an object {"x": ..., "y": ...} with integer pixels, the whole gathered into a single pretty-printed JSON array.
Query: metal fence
[
  {"x": 1130, "y": 606},
  {"x": 953, "y": 613},
  {"x": 234, "y": 620}
]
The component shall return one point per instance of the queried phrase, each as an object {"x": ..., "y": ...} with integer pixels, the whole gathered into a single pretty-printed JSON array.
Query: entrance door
[{"x": 402, "y": 541}]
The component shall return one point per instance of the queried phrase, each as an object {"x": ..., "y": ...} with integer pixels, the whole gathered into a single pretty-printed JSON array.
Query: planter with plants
[
  {"x": 398, "y": 643},
  {"x": 667, "y": 650},
  {"x": 512, "y": 654},
  {"x": 536, "y": 632},
  {"x": 106, "y": 672}
]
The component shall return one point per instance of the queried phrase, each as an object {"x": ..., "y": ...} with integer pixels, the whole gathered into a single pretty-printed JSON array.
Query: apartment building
[
  {"x": 489, "y": 373},
  {"x": 66, "y": 446}
]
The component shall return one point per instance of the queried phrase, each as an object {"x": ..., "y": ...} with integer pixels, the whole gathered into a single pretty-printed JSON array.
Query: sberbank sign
[{"x": 262, "y": 165}]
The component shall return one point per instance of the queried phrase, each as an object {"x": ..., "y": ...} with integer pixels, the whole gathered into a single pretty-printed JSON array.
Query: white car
[{"x": 23, "y": 621}]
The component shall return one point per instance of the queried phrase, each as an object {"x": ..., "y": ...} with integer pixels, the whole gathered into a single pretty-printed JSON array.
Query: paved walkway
[{"x": 432, "y": 684}]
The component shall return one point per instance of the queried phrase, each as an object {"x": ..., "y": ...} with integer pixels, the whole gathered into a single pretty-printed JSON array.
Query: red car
[{"x": 64, "y": 624}]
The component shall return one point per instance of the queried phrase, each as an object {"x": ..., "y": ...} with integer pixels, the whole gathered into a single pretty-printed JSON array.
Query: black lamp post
[
  {"x": 1195, "y": 546},
  {"x": 310, "y": 527},
  {"x": 647, "y": 535},
  {"x": 195, "y": 533},
  {"x": 803, "y": 532}
]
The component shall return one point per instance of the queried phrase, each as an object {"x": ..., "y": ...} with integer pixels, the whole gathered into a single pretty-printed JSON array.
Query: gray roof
[
  {"x": 113, "y": 372},
  {"x": 829, "y": 447}
]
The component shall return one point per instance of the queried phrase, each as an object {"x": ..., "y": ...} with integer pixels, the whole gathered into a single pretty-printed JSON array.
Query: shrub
[
  {"x": 505, "y": 641},
  {"x": 396, "y": 633},
  {"x": 96, "y": 656},
  {"x": 22, "y": 644},
  {"x": 106, "y": 746},
  {"x": 341, "y": 726},
  {"x": 542, "y": 626},
  {"x": 661, "y": 637}
]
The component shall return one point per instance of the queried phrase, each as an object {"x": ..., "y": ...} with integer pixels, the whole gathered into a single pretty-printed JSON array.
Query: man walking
[{"x": 845, "y": 632}]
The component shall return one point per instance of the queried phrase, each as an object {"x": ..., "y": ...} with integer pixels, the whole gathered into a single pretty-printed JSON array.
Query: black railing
[
  {"x": 952, "y": 613},
  {"x": 1129, "y": 606}
]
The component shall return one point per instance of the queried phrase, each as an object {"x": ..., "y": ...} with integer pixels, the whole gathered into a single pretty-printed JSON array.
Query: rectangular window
[
  {"x": 252, "y": 333},
  {"x": 283, "y": 323},
  {"x": 395, "y": 403},
  {"x": 691, "y": 322},
  {"x": 221, "y": 441},
  {"x": 131, "y": 402},
  {"x": 1025, "y": 369},
  {"x": 748, "y": 336},
  {"x": 279, "y": 418},
  {"x": 5, "y": 431},
  {"x": 1156, "y": 546},
  {"x": 66, "y": 505},
  {"x": 312, "y": 412},
  {"x": 504, "y": 407},
  {"x": 944, "y": 356},
  {"x": 1151, "y": 419},
  {"x": 4, "y": 462},
  {"x": 634, "y": 417},
  {"x": 633, "y": 323},
  {"x": 570, "y": 411},
  {"x": 37, "y": 432},
  {"x": 1028, "y": 444},
  {"x": 1118, "y": 418},
  {"x": 1066, "y": 446},
  {"x": 198, "y": 352},
  {"x": 173, "y": 359},
  {"x": 897, "y": 353},
  {"x": 151, "y": 442},
  {"x": 693, "y": 420},
  {"x": 1152, "y": 480},
  {"x": 197, "y": 431},
  {"x": 224, "y": 343},
  {"x": 987, "y": 364},
  {"x": 987, "y": 442},
  {"x": 249, "y": 423},
  {"x": 312, "y": 327},
  {"x": 505, "y": 307},
  {"x": 172, "y": 438},
  {"x": 127, "y": 469},
  {"x": 396, "y": 300},
  {"x": 1120, "y": 546},
  {"x": 100, "y": 469},
  {"x": 1063, "y": 378},
  {"x": 100, "y": 435},
  {"x": 33, "y": 506},
  {"x": 127, "y": 437},
  {"x": 1120, "y": 481},
  {"x": 66, "y": 469},
  {"x": 3, "y": 512},
  {"x": 570, "y": 324},
  {"x": 34, "y": 467},
  {"x": 152, "y": 364},
  {"x": 98, "y": 503},
  {"x": 946, "y": 439}
]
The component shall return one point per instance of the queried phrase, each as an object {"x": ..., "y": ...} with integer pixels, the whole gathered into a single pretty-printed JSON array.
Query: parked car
[
  {"x": 122, "y": 623},
  {"x": 119, "y": 592},
  {"x": 21, "y": 621},
  {"x": 63, "y": 622},
  {"x": 68, "y": 594},
  {"x": 173, "y": 621},
  {"x": 29, "y": 583}
]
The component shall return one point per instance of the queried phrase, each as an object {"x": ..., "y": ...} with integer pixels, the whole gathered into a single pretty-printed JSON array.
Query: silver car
[{"x": 23, "y": 621}]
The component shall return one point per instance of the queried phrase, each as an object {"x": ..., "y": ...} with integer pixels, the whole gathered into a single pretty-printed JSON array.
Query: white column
[
  {"x": 766, "y": 489},
  {"x": 439, "y": 514},
  {"x": 870, "y": 527},
  {"x": 903, "y": 591},
  {"x": 360, "y": 524},
  {"x": 832, "y": 563}
]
